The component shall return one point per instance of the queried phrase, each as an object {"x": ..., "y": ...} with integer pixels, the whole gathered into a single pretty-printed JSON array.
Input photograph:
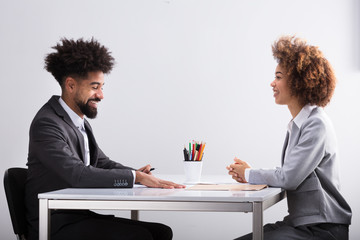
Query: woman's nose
[{"x": 272, "y": 84}]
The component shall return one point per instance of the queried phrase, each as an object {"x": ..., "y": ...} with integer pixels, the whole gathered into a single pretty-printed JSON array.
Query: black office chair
[{"x": 14, "y": 184}]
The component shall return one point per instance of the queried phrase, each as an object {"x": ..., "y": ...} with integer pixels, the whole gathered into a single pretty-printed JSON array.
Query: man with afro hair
[{"x": 63, "y": 152}]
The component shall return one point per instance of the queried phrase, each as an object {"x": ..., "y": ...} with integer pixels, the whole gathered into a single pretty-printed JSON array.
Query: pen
[
  {"x": 190, "y": 151},
  {"x": 186, "y": 154},
  {"x": 196, "y": 157},
  {"x": 151, "y": 169}
]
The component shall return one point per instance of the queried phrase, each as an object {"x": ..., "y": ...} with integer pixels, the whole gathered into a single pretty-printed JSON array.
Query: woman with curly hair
[{"x": 305, "y": 82}]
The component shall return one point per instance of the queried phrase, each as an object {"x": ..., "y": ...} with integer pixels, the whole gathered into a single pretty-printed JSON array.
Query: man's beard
[{"x": 87, "y": 110}]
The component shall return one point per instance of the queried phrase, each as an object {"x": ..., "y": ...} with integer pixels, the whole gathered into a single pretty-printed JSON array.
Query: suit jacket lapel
[{"x": 54, "y": 102}]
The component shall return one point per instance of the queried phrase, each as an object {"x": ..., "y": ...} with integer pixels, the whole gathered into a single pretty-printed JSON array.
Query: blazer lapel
[
  {"x": 79, "y": 136},
  {"x": 286, "y": 142},
  {"x": 54, "y": 102},
  {"x": 290, "y": 141}
]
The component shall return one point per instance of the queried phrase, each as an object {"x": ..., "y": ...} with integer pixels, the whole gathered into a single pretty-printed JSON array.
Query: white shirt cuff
[
  {"x": 247, "y": 174},
  {"x": 134, "y": 174}
]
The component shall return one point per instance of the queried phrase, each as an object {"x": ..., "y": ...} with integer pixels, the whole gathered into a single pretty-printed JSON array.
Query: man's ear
[{"x": 70, "y": 84}]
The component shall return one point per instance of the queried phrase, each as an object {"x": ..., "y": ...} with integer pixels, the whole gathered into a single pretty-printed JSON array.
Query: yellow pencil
[{"x": 202, "y": 151}]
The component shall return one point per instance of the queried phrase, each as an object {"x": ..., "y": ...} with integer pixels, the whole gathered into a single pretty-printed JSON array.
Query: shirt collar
[
  {"x": 301, "y": 117},
  {"x": 78, "y": 121}
]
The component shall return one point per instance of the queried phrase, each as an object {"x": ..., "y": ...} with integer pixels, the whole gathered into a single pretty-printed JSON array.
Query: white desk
[{"x": 140, "y": 198}]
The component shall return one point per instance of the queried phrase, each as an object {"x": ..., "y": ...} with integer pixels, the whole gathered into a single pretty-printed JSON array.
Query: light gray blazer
[{"x": 309, "y": 174}]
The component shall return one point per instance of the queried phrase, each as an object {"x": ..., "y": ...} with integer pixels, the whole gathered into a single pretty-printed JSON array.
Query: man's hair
[
  {"x": 77, "y": 59},
  {"x": 310, "y": 76}
]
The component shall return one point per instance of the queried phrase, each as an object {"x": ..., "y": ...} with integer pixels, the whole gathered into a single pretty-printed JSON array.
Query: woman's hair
[
  {"x": 310, "y": 76},
  {"x": 77, "y": 59}
]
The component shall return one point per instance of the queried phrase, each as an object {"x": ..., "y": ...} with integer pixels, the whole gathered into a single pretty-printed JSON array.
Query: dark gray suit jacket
[
  {"x": 309, "y": 173},
  {"x": 56, "y": 161}
]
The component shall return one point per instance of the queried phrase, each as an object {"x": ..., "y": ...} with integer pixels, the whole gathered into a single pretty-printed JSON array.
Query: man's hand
[
  {"x": 153, "y": 182},
  {"x": 237, "y": 170},
  {"x": 145, "y": 169}
]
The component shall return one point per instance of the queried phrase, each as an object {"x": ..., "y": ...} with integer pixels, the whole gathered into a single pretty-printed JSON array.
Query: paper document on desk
[{"x": 227, "y": 187}]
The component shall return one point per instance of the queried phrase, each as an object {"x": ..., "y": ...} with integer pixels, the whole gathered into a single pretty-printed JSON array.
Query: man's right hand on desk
[{"x": 154, "y": 182}]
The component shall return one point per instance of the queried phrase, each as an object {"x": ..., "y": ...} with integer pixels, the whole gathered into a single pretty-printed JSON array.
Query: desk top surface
[{"x": 141, "y": 193}]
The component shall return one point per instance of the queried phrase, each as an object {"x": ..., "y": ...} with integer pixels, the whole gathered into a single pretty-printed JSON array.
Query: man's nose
[{"x": 100, "y": 94}]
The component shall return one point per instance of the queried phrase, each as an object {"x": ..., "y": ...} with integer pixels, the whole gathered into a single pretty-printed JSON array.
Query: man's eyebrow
[{"x": 96, "y": 83}]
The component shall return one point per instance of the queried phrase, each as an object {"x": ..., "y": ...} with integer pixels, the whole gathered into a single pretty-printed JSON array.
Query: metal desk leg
[
  {"x": 44, "y": 220},
  {"x": 258, "y": 231},
  {"x": 135, "y": 215}
]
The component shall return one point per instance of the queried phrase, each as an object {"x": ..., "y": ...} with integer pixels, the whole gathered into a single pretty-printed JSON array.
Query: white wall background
[{"x": 185, "y": 70}]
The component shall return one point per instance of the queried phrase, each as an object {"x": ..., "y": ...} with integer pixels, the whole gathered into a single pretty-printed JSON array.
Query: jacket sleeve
[
  {"x": 56, "y": 147},
  {"x": 107, "y": 163},
  {"x": 301, "y": 159}
]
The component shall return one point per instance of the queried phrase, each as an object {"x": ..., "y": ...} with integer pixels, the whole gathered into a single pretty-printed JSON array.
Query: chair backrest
[{"x": 14, "y": 184}]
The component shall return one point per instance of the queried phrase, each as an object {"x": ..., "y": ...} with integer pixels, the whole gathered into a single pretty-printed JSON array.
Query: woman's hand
[{"x": 237, "y": 170}]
